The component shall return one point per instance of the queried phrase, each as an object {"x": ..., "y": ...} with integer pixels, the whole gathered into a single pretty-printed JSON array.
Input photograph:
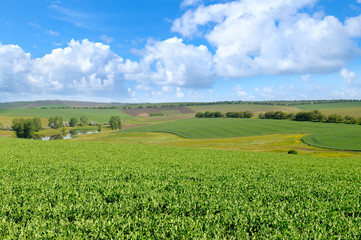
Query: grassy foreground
[{"x": 61, "y": 189}]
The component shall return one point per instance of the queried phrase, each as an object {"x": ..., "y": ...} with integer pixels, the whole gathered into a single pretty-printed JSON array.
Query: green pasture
[
  {"x": 338, "y": 135},
  {"x": 85, "y": 190},
  {"x": 309, "y": 107},
  {"x": 345, "y": 140},
  {"x": 97, "y": 115}
]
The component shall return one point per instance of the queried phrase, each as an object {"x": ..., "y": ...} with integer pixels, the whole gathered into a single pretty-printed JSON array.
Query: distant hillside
[{"x": 55, "y": 103}]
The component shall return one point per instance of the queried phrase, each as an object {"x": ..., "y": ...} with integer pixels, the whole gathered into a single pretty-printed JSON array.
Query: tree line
[
  {"x": 217, "y": 114},
  {"x": 310, "y": 116},
  {"x": 269, "y": 103}
]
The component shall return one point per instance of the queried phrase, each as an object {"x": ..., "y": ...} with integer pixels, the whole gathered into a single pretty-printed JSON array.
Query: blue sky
[{"x": 180, "y": 50}]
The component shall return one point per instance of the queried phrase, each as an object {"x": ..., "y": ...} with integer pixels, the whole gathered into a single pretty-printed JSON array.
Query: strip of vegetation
[
  {"x": 217, "y": 114},
  {"x": 310, "y": 116},
  {"x": 274, "y": 103},
  {"x": 156, "y": 114}
]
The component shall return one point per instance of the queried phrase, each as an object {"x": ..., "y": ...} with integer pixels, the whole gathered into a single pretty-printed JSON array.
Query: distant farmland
[
  {"x": 328, "y": 135},
  {"x": 145, "y": 111}
]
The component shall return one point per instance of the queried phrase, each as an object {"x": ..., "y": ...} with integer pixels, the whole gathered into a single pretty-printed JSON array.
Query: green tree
[
  {"x": 37, "y": 123},
  {"x": 99, "y": 128},
  {"x": 335, "y": 118},
  {"x": 73, "y": 121},
  {"x": 115, "y": 122},
  {"x": 24, "y": 128},
  {"x": 261, "y": 116},
  {"x": 84, "y": 120},
  {"x": 200, "y": 115},
  {"x": 55, "y": 122},
  {"x": 248, "y": 114}
]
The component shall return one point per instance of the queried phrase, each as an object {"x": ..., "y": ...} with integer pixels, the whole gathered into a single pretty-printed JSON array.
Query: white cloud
[
  {"x": 106, "y": 39},
  {"x": 187, "y": 3},
  {"x": 131, "y": 93},
  {"x": 53, "y": 33},
  {"x": 265, "y": 92},
  {"x": 167, "y": 89},
  {"x": 347, "y": 75},
  {"x": 257, "y": 37},
  {"x": 82, "y": 67},
  {"x": 144, "y": 87},
  {"x": 173, "y": 63},
  {"x": 242, "y": 93},
  {"x": 306, "y": 78},
  {"x": 179, "y": 93},
  {"x": 15, "y": 65},
  {"x": 359, "y": 1}
]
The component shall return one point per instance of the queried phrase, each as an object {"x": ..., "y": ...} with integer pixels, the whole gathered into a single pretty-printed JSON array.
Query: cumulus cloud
[
  {"x": 187, "y": 3},
  {"x": 256, "y": 37},
  {"x": 84, "y": 67},
  {"x": 81, "y": 67},
  {"x": 179, "y": 93},
  {"x": 15, "y": 66},
  {"x": 173, "y": 63},
  {"x": 265, "y": 92},
  {"x": 242, "y": 93},
  {"x": 347, "y": 75}
]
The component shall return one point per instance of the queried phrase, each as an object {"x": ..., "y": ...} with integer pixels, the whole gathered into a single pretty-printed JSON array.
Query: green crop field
[
  {"x": 98, "y": 115},
  {"x": 338, "y": 136},
  {"x": 85, "y": 190},
  {"x": 329, "y": 106}
]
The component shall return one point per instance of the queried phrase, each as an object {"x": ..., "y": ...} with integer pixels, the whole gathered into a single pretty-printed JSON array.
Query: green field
[
  {"x": 98, "y": 115},
  {"x": 337, "y": 136},
  {"x": 309, "y": 107},
  {"x": 82, "y": 190}
]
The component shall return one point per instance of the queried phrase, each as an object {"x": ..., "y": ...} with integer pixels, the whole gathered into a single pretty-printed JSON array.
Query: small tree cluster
[
  {"x": 55, "y": 122},
  {"x": 209, "y": 114},
  {"x": 115, "y": 122},
  {"x": 26, "y": 128},
  {"x": 246, "y": 114},
  {"x": 312, "y": 116},
  {"x": 276, "y": 115},
  {"x": 217, "y": 114},
  {"x": 335, "y": 118}
]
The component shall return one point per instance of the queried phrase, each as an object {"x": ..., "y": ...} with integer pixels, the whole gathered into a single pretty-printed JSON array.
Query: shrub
[
  {"x": 73, "y": 122},
  {"x": 292, "y": 151}
]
